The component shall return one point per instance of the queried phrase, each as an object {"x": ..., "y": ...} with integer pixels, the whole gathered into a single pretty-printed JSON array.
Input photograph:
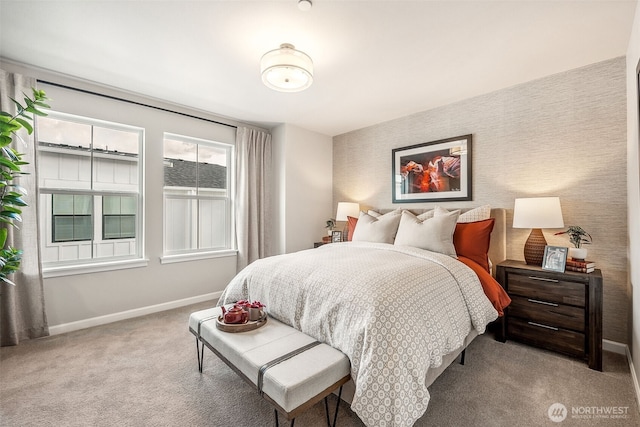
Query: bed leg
[
  {"x": 275, "y": 411},
  {"x": 462, "y": 356}
]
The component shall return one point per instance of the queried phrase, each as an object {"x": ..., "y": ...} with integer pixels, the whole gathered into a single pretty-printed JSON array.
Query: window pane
[
  {"x": 110, "y": 205},
  {"x": 111, "y": 227},
  {"x": 128, "y": 205},
  {"x": 212, "y": 224},
  {"x": 62, "y": 228},
  {"x": 82, "y": 204},
  {"x": 63, "y": 204},
  {"x": 82, "y": 228},
  {"x": 180, "y": 164},
  {"x": 180, "y": 215},
  {"x": 115, "y": 140},
  {"x": 128, "y": 226},
  {"x": 64, "y": 133}
]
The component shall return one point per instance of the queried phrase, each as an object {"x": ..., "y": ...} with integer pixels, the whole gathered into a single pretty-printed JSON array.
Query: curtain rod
[{"x": 134, "y": 103}]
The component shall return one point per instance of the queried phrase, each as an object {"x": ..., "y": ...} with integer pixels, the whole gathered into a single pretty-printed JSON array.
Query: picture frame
[
  {"x": 555, "y": 258},
  {"x": 436, "y": 171},
  {"x": 336, "y": 236}
]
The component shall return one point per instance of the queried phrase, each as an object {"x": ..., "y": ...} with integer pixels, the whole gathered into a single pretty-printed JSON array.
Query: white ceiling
[{"x": 374, "y": 60}]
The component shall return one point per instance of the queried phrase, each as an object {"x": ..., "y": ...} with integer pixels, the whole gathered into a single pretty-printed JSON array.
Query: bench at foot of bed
[{"x": 289, "y": 369}]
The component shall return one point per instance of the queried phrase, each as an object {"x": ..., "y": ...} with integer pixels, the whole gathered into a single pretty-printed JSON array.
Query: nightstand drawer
[
  {"x": 548, "y": 313},
  {"x": 547, "y": 289},
  {"x": 541, "y": 335}
]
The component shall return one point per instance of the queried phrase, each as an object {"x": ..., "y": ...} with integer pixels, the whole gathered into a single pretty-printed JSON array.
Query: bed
[{"x": 395, "y": 300}]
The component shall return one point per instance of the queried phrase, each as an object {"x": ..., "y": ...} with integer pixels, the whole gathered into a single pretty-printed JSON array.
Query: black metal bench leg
[
  {"x": 464, "y": 352},
  {"x": 199, "y": 354},
  {"x": 335, "y": 415}
]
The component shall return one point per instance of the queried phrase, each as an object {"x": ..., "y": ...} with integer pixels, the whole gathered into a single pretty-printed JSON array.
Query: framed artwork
[
  {"x": 555, "y": 258},
  {"x": 437, "y": 171},
  {"x": 336, "y": 236}
]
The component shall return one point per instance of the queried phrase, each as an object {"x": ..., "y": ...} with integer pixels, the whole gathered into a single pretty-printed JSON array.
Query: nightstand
[{"x": 561, "y": 312}]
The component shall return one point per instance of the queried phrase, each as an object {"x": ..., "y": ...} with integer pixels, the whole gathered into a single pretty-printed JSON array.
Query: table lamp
[
  {"x": 537, "y": 213},
  {"x": 346, "y": 209}
]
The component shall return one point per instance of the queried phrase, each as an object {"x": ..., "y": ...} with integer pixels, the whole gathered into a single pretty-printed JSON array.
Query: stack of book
[{"x": 580, "y": 265}]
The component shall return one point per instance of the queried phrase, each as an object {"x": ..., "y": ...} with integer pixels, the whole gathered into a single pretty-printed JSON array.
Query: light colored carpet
[{"x": 143, "y": 372}]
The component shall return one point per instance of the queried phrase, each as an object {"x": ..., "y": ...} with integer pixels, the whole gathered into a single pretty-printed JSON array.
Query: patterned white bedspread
[{"x": 394, "y": 311}]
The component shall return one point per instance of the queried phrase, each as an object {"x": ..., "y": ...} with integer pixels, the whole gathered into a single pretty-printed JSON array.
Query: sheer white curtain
[
  {"x": 22, "y": 314},
  {"x": 253, "y": 198}
]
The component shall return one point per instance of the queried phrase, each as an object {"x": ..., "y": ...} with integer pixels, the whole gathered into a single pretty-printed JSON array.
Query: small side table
[{"x": 561, "y": 312}]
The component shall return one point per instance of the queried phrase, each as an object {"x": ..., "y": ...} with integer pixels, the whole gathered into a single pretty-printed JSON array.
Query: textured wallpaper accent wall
[{"x": 563, "y": 135}]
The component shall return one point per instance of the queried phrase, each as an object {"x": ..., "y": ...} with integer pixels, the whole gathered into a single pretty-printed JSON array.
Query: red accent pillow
[
  {"x": 471, "y": 240},
  {"x": 492, "y": 289},
  {"x": 351, "y": 226}
]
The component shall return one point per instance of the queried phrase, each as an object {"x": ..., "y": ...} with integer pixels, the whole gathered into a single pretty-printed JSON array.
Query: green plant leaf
[
  {"x": 25, "y": 124},
  {"x": 3, "y": 236},
  {"x": 9, "y": 214},
  {"x": 9, "y": 164}
]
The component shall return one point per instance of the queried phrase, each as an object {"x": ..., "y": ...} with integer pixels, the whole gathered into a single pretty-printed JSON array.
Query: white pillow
[
  {"x": 380, "y": 229},
  {"x": 426, "y": 215},
  {"x": 435, "y": 234},
  {"x": 477, "y": 214}
]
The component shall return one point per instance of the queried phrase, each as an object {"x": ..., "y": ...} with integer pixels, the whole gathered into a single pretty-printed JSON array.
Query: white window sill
[
  {"x": 196, "y": 256},
  {"x": 96, "y": 267}
]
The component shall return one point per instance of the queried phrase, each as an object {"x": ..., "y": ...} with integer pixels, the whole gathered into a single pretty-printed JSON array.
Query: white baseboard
[
  {"x": 619, "y": 348},
  {"x": 615, "y": 347},
  {"x": 634, "y": 378},
  {"x": 123, "y": 315}
]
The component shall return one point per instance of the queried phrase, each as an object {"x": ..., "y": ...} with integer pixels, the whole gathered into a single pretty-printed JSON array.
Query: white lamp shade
[
  {"x": 346, "y": 209},
  {"x": 538, "y": 212},
  {"x": 286, "y": 69}
]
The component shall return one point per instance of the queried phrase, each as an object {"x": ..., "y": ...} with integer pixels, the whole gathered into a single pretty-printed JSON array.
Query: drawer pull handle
[
  {"x": 542, "y": 302},
  {"x": 542, "y": 326},
  {"x": 544, "y": 279}
]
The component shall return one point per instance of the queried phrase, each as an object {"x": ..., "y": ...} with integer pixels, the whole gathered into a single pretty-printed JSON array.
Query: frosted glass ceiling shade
[{"x": 286, "y": 69}]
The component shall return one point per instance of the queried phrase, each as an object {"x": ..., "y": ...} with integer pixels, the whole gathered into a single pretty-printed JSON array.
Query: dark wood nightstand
[{"x": 557, "y": 311}]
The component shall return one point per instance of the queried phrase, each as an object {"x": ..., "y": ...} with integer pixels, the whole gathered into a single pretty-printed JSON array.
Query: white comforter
[{"x": 394, "y": 311}]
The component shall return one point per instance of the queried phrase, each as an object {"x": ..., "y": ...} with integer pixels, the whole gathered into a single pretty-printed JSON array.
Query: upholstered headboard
[{"x": 498, "y": 247}]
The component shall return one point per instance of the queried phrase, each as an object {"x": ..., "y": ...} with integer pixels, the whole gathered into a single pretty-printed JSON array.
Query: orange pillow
[
  {"x": 492, "y": 289},
  {"x": 471, "y": 240},
  {"x": 351, "y": 226}
]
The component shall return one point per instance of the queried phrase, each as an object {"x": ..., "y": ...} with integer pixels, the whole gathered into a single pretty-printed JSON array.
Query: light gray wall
[
  {"x": 303, "y": 162},
  {"x": 86, "y": 299},
  {"x": 564, "y": 135},
  {"x": 633, "y": 197}
]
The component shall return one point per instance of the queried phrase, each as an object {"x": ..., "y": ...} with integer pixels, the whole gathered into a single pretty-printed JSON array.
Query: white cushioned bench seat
[{"x": 292, "y": 385}]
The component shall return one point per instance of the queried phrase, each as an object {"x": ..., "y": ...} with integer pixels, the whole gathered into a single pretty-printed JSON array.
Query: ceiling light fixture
[
  {"x": 286, "y": 69},
  {"x": 304, "y": 5}
]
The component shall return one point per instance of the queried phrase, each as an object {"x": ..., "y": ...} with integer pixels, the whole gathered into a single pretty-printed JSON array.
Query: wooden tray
[{"x": 241, "y": 327}]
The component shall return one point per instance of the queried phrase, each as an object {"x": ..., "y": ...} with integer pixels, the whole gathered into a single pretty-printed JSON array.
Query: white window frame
[
  {"x": 205, "y": 253},
  {"x": 94, "y": 264}
]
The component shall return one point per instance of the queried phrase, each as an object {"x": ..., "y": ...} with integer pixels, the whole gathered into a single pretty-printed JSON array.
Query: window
[
  {"x": 118, "y": 217},
  {"x": 90, "y": 192},
  {"x": 71, "y": 218},
  {"x": 197, "y": 201}
]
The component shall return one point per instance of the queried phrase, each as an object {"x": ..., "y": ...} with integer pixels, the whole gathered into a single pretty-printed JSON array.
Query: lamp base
[{"x": 534, "y": 247}]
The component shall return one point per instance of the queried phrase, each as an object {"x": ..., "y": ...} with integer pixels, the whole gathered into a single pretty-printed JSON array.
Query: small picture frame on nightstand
[
  {"x": 555, "y": 258},
  {"x": 336, "y": 236}
]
